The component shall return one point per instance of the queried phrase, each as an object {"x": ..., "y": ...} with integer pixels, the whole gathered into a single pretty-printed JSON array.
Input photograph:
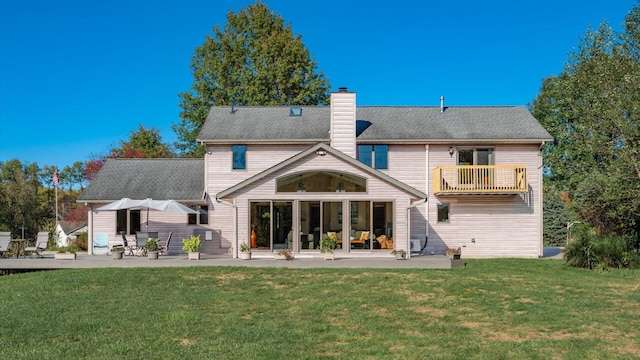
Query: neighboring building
[
  {"x": 376, "y": 178},
  {"x": 68, "y": 232}
]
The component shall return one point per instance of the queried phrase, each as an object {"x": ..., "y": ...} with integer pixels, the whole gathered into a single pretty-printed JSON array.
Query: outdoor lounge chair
[
  {"x": 5, "y": 241},
  {"x": 42, "y": 243},
  {"x": 164, "y": 247},
  {"x": 128, "y": 244},
  {"x": 141, "y": 242}
]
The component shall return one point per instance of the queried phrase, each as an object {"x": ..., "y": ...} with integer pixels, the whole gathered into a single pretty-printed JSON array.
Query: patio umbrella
[{"x": 161, "y": 205}]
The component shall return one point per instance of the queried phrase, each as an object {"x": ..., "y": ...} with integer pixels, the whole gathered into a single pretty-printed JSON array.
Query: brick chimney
[{"x": 343, "y": 121}]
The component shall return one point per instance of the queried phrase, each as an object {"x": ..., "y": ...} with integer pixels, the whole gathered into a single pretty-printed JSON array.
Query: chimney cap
[{"x": 342, "y": 89}]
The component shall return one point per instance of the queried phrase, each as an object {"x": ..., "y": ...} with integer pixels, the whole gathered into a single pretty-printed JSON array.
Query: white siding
[
  {"x": 490, "y": 225},
  {"x": 343, "y": 122}
]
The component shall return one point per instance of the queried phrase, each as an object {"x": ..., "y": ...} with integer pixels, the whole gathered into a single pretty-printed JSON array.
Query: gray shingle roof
[
  {"x": 388, "y": 123},
  {"x": 159, "y": 179}
]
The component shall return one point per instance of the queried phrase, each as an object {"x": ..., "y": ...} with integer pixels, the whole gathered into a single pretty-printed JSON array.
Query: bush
[
  {"x": 590, "y": 251},
  {"x": 82, "y": 242}
]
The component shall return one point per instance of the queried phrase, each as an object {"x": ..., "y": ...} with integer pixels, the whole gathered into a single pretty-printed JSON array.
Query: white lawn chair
[
  {"x": 42, "y": 243},
  {"x": 5, "y": 242}
]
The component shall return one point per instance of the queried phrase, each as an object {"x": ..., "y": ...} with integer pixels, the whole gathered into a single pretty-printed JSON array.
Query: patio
[{"x": 84, "y": 261}]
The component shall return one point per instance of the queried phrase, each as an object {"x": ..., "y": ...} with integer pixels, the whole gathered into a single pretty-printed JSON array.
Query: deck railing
[{"x": 480, "y": 179}]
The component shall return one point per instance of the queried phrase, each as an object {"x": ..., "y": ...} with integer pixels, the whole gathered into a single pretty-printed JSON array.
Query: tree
[
  {"x": 23, "y": 201},
  {"x": 592, "y": 109},
  {"x": 255, "y": 59},
  {"x": 144, "y": 143}
]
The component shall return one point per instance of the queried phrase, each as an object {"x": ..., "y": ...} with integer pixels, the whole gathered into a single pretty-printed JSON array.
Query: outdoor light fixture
[{"x": 451, "y": 151}]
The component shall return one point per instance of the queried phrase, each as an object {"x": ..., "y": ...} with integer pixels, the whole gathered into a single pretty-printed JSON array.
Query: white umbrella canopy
[
  {"x": 168, "y": 205},
  {"x": 124, "y": 203},
  {"x": 161, "y": 205}
]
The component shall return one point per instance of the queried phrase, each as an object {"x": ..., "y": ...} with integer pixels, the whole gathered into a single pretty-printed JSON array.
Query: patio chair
[
  {"x": 5, "y": 242},
  {"x": 127, "y": 244},
  {"x": 42, "y": 243},
  {"x": 141, "y": 242},
  {"x": 164, "y": 247}
]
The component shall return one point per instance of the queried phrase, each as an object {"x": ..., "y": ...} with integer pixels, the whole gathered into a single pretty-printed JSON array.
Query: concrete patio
[{"x": 302, "y": 261}]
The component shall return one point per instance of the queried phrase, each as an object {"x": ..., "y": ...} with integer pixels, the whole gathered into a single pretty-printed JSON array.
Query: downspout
[
  {"x": 235, "y": 222},
  {"x": 541, "y": 206},
  {"x": 426, "y": 191},
  {"x": 417, "y": 203},
  {"x": 90, "y": 232}
]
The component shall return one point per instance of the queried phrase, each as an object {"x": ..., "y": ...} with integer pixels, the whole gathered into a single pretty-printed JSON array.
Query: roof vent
[
  {"x": 441, "y": 104},
  {"x": 295, "y": 111}
]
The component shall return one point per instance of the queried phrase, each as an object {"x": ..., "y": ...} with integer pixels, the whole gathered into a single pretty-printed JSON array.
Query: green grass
[{"x": 491, "y": 309}]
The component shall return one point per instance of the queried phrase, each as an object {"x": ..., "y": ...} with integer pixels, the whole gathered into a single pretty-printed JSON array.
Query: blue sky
[{"x": 76, "y": 77}]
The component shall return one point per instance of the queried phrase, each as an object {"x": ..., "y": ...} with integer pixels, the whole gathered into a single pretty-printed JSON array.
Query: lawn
[{"x": 490, "y": 309}]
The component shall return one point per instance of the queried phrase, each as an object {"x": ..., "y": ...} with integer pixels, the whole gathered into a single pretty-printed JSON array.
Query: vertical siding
[
  {"x": 343, "y": 122},
  {"x": 493, "y": 225}
]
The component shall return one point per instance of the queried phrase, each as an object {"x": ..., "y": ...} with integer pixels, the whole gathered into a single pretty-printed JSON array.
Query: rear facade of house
[{"x": 420, "y": 179}]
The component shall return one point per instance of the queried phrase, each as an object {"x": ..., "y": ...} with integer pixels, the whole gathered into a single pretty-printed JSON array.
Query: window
[
  {"x": 443, "y": 213},
  {"x": 202, "y": 217},
  {"x": 321, "y": 181},
  {"x": 475, "y": 156},
  {"x": 128, "y": 221},
  {"x": 375, "y": 156},
  {"x": 239, "y": 157}
]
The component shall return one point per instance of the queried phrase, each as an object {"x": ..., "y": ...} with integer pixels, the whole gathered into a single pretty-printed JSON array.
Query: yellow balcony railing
[{"x": 480, "y": 179}]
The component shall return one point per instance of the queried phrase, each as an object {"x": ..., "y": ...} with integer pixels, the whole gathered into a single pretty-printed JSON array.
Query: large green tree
[
  {"x": 24, "y": 202},
  {"x": 255, "y": 59},
  {"x": 592, "y": 109}
]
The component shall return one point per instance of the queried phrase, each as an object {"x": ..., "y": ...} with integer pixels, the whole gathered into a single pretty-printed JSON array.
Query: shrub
[
  {"x": 82, "y": 242},
  {"x": 590, "y": 251}
]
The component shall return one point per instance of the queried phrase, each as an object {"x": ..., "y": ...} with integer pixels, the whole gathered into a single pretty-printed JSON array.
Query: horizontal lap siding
[
  {"x": 502, "y": 225},
  {"x": 407, "y": 163},
  {"x": 220, "y": 176}
]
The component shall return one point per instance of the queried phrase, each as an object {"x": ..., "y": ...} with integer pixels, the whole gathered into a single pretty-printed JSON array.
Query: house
[
  {"x": 376, "y": 178},
  {"x": 67, "y": 232}
]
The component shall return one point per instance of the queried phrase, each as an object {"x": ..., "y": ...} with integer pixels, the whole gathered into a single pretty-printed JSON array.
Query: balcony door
[{"x": 478, "y": 176}]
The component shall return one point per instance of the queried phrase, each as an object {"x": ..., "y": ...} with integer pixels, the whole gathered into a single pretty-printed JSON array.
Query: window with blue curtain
[
  {"x": 375, "y": 156},
  {"x": 239, "y": 157},
  {"x": 381, "y": 156},
  {"x": 364, "y": 154}
]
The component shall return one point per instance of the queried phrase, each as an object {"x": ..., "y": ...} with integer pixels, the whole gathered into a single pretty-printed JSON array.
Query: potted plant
[
  {"x": 65, "y": 253},
  {"x": 245, "y": 252},
  {"x": 328, "y": 245},
  {"x": 453, "y": 253},
  {"x": 284, "y": 254},
  {"x": 192, "y": 247},
  {"x": 400, "y": 254},
  {"x": 117, "y": 252},
  {"x": 152, "y": 248}
]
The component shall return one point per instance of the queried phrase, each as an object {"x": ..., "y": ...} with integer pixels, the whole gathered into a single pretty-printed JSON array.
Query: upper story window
[
  {"x": 321, "y": 181},
  {"x": 375, "y": 156},
  {"x": 239, "y": 157},
  {"x": 475, "y": 156}
]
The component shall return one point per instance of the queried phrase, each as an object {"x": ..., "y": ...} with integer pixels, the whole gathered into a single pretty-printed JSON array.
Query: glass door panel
[
  {"x": 260, "y": 225},
  {"x": 282, "y": 221},
  {"x": 309, "y": 225},
  {"x": 360, "y": 215},
  {"x": 332, "y": 220},
  {"x": 382, "y": 225}
]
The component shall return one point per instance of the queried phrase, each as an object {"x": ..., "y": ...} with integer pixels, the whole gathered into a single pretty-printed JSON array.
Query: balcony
[{"x": 480, "y": 179}]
